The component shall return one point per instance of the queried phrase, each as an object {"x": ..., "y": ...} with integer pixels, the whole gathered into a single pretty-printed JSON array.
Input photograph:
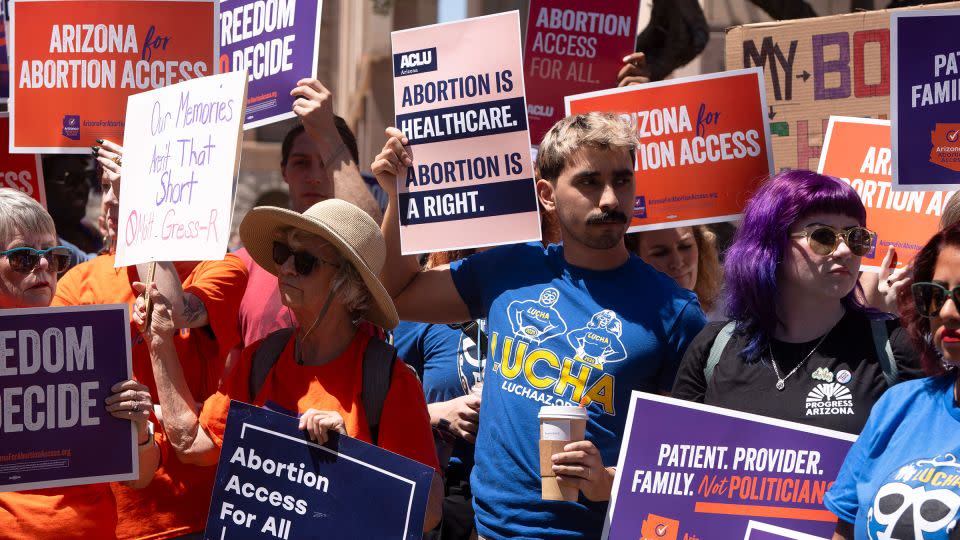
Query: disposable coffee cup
[{"x": 559, "y": 426}]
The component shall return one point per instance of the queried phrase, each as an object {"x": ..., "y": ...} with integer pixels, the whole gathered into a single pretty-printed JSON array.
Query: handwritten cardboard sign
[
  {"x": 75, "y": 62},
  {"x": 179, "y": 170},
  {"x": 689, "y": 470},
  {"x": 814, "y": 68},
  {"x": 58, "y": 367},
  {"x": 277, "y": 43},
  {"x": 857, "y": 151},
  {"x": 471, "y": 183},
  {"x": 702, "y": 145}
]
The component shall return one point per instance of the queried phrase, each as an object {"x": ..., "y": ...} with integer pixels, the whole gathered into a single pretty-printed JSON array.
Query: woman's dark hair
[{"x": 918, "y": 328}]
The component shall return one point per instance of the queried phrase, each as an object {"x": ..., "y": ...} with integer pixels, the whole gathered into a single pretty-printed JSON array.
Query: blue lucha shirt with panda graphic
[
  {"x": 901, "y": 479},
  {"x": 558, "y": 334}
]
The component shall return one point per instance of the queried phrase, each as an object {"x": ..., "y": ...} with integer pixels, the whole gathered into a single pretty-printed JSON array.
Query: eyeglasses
[
  {"x": 929, "y": 298},
  {"x": 303, "y": 262},
  {"x": 823, "y": 240},
  {"x": 26, "y": 259}
]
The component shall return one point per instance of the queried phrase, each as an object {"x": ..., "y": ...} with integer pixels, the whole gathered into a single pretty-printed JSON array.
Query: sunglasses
[
  {"x": 929, "y": 298},
  {"x": 26, "y": 259},
  {"x": 823, "y": 240},
  {"x": 303, "y": 262}
]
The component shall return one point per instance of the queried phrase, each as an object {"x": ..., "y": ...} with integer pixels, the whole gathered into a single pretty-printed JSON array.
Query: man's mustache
[{"x": 612, "y": 216}]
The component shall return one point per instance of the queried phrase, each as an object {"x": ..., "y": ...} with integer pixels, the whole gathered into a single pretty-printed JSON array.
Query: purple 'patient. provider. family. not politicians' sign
[
  {"x": 57, "y": 366},
  {"x": 278, "y": 43},
  {"x": 925, "y": 100},
  {"x": 693, "y": 471}
]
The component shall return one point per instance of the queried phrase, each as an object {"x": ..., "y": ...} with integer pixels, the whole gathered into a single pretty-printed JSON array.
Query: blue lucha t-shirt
[
  {"x": 559, "y": 333},
  {"x": 449, "y": 363},
  {"x": 901, "y": 479}
]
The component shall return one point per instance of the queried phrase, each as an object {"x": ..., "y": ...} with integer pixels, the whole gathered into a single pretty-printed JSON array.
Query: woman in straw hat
[{"x": 327, "y": 261}]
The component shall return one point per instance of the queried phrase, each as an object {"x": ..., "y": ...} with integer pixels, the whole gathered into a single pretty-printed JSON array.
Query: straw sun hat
[{"x": 353, "y": 233}]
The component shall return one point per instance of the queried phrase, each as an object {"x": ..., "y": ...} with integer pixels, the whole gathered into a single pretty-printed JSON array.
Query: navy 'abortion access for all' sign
[
  {"x": 273, "y": 482},
  {"x": 57, "y": 366}
]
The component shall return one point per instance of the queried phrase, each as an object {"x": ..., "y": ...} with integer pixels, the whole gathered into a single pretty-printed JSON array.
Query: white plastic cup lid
[{"x": 563, "y": 411}]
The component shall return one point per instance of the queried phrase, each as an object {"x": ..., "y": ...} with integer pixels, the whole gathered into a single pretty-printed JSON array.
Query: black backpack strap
[
  {"x": 377, "y": 368},
  {"x": 265, "y": 357}
]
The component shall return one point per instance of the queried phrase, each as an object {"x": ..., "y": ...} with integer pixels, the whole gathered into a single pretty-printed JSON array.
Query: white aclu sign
[{"x": 180, "y": 160}]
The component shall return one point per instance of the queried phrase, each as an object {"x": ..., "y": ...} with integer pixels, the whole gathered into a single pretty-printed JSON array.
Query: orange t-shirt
[
  {"x": 334, "y": 386},
  {"x": 177, "y": 499},
  {"x": 65, "y": 512}
]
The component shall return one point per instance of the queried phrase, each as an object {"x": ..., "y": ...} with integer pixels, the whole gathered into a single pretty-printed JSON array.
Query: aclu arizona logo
[
  {"x": 71, "y": 126},
  {"x": 640, "y": 207},
  {"x": 946, "y": 146},
  {"x": 412, "y": 62},
  {"x": 540, "y": 111},
  {"x": 829, "y": 399}
]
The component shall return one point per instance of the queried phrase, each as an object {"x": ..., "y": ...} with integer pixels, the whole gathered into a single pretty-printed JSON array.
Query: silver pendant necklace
[{"x": 781, "y": 384}]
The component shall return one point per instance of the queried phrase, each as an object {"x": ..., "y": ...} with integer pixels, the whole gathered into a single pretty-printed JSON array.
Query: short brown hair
[{"x": 596, "y": 130}]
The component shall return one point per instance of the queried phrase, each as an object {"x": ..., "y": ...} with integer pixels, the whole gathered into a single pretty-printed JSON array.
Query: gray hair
[
  {"x": 20, "y": 213},
  {"x": 346, "y": 282}
]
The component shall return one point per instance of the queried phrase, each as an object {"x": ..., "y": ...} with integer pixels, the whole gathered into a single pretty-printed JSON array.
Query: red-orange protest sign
[
  {"x": 857, "y": 151},
  {"x": 20, "y": 171},
  {"x": 75, "y": 62},
  {"x": 703, "y": 145}
]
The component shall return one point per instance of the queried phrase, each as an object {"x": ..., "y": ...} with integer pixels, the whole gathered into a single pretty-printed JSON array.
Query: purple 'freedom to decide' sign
[
  {"x": 57, "y": 366},
  {"x": 278, "y": 43},
  {"x": 689, "y": 471}
]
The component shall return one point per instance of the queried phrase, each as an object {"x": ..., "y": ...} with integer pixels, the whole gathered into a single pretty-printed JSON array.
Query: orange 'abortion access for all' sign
[
  {"x": 702, "y": 145},
  {"x": 73, "y": 63},
  {"x": 857, "y": 151}
]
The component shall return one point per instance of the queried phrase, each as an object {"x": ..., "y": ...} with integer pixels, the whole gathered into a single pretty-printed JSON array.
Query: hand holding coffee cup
[
  {"x": 559, "y": 426},
  {"x": 580, "y": 465}
]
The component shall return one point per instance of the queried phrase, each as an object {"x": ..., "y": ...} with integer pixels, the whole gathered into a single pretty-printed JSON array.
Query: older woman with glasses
[
  {"x": 30, "y": 264},
  {"x": 799, "y": 345},
  {"x": 901, "y": 479},
  {"x": 326, "y": 261}
]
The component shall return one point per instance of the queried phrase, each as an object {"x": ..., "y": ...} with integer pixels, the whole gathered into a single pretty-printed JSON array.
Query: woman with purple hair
[
  {"x": 901, "y": 479},
  {"x": 800, "y": 345}
]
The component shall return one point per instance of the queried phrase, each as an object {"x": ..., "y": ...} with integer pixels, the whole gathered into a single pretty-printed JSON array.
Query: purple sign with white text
[
  {"x": 925, "y": 100},
  {"x": 689, "y": 471},
  {"x": 278, "y": 43},
  {"x": 57, "y": 366}
]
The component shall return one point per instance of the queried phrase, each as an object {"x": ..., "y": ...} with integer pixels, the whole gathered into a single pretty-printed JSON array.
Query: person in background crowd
[
  {"x": 206, "y": 296},
  {"x": 892, "y": 483},
  {"x": 800, "y": 345},
  {"x": 585, "y": 177},
  {"x": 326, "y": 261},
  {"x": 449, "y": 360},
  {"x": 67, "y": 181},
  {"x": 884, "y": 289},
  {"x": 30, "y": 263},
  {"x": 689, "y": 256},
  {"x": 318, "y": 162}
]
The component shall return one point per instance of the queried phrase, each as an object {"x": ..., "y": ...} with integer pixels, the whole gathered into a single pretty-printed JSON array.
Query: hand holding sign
[
  {"x": 314, "y": 106},
  {"x": 634, "y": 70},
  {"x": 392, "y": 162},
  {"x": 319, "y": 424}
]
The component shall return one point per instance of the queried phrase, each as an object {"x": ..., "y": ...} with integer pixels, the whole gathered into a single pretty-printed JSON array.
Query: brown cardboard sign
[{"x": 815, "y": 68}]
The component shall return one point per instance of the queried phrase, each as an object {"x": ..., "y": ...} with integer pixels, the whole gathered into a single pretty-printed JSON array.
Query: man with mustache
[{"x": 585, "y": 175}]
